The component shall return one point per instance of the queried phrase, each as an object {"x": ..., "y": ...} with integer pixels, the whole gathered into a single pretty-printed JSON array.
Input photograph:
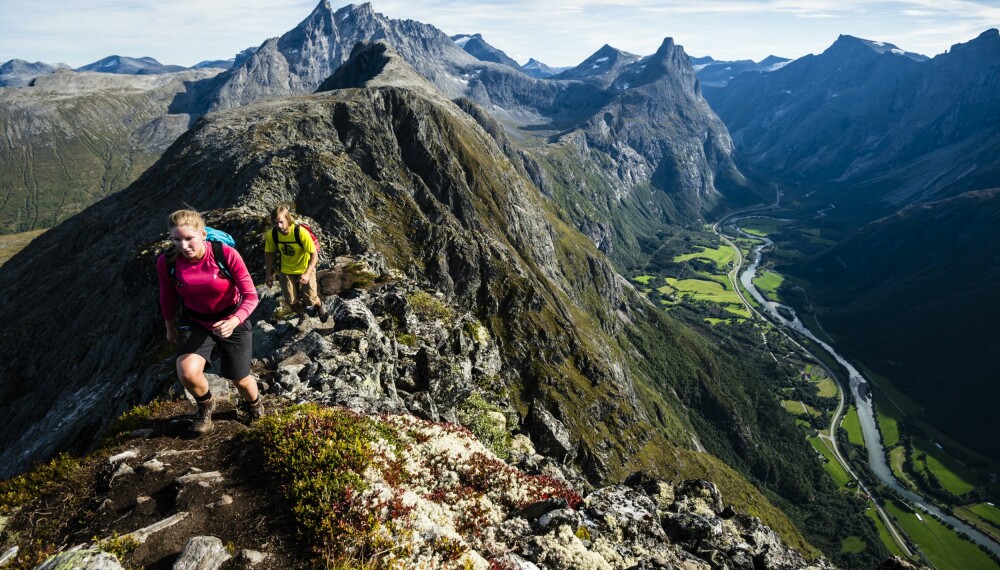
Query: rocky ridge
[{"x": 156, "y": 497}]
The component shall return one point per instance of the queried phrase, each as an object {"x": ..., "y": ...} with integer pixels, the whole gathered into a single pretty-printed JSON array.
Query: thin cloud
[{"x": 558, "y": 32}]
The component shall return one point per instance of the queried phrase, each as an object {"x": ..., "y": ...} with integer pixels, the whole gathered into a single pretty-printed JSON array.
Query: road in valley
[{"x": 857, "y": 383}]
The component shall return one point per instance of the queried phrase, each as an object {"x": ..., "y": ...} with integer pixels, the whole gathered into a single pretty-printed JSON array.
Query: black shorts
[{"x": 235, "y": 351}]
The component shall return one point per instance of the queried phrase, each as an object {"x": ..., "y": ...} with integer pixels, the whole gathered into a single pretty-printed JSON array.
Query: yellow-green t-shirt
[{"x": 294, "y": 258}]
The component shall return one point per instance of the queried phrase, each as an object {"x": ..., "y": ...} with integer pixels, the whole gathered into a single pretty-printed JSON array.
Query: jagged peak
[
  {"x": 364, "y": 9},
  {"x": 374, "y": 64}
]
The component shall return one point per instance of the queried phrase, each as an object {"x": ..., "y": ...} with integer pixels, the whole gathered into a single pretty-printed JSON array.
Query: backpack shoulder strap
[
  {"x": 172, "y": 270},
  {"x": 274, "y": 238},
  {"x": 220, "y": 260},
  {"x": 298, "y": 236}
]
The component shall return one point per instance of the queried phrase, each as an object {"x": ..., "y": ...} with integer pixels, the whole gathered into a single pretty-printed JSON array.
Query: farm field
[
  {"x": 883, "y": 532},
  {"x": 943, "y": 547},
  {"x": 852, "y": 426},
  {"x": 832, "y": 466},
  {"x": 952, "y": 475}
]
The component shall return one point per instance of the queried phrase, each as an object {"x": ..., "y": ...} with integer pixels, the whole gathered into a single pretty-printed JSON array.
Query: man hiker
[{"x": 297, "y": 274}]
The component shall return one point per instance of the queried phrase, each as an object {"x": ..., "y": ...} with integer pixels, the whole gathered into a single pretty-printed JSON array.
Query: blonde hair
[
  {"x": 184, "y": 218},
  {"x": 284, "y": 211}
]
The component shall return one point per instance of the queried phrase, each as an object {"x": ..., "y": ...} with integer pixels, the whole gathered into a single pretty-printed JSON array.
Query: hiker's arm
[
  {"x": 268, "y": 266},
  {"x": 171, "y": 332},
  {"x": 313, "y": 258}
]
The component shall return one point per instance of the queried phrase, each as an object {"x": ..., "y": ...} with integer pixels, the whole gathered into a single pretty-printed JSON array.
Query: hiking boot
[
  {"x": 252, "y": 412},
  {"x": 324, "y": 315},
  {"x": 203, "y": 417}
]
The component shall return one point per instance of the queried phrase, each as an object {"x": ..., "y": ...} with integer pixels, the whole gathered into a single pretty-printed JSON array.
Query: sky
[{"x": 556, "y": 32}]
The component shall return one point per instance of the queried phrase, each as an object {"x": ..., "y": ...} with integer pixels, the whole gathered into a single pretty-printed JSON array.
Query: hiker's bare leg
[
  {"x": 247, "y": 387},
  {"x": 191, "y": 371}
]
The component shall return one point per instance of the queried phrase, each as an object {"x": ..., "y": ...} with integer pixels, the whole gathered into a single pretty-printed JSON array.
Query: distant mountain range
[
  {"x": 864, "y": 111},
  {"x": 300, "y": 60},
  {"x": 130, "y": 66},
  {"x": 713, "y": 73}
]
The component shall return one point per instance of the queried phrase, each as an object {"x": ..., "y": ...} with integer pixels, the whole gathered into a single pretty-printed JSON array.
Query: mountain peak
[
  {"x": 376, "y": 64},
  {"x": 847, "y": 44},
  {"x": 988, "y": 40}
]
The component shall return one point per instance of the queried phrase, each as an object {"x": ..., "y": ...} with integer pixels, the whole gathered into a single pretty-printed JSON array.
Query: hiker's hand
[
  {"x": 304, "y": 280},
  {"x": 269, "y": 280},
  {"x": 171, "y": 333},
  {"x": 225, "y": 327}
]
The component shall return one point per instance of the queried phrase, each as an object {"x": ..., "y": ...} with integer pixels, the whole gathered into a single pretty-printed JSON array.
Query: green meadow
[
  {"x": 722, "y": 256},
  {"x": 883, "y": 532},
  {"x": 852, "y": 426},
  {"x": 832, "y": 466},
  {"x": 852, "y": 544},
  {"x": 896, "y": 458},
  {"x": 987, "y": 513},
  {"x": 952, "y": 475},
  {"x": 768, "y": 282},
  {"x": 795, "y": 407},
  {"x": 760, "y": 226},
  {"x": 826, "y": 388},
  {"x": 888, "y": 416},
  {"x": 943, "y": 547}
]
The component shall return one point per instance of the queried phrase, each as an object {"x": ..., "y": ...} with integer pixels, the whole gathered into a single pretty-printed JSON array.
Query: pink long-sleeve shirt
[{"x": 204, "y": 288}]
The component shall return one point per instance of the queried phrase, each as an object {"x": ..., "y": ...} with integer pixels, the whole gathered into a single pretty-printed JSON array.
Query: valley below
[{"x": 948, "y": 531}]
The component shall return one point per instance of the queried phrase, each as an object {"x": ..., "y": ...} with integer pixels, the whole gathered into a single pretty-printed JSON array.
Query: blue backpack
[{"x": 213, "y": 234}]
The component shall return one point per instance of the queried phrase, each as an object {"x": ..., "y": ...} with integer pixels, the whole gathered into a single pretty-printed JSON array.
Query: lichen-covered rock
[
  {"x": 202, "y": 553},
  {"x": 82, "y": 559}
]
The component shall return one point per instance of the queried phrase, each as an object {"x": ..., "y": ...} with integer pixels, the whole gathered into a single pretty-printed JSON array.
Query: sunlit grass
[
  {"x": 883, "y": 532},
  {"x": 722, "y": 255},
  {"x": 11, "y": 244},
  {"x": 943, "y": 547},
  {"x": 768, "y": 282},
  {"x": 852, "y": 425},
  {"x": 832, "y": 466}
]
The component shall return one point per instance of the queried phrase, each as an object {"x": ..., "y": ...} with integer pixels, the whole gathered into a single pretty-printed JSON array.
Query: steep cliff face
[{"x": 652, "y": 154}]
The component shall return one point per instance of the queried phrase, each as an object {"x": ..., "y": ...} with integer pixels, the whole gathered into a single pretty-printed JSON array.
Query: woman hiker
[
  {"x": 218, "y": 296},
  {"x": 299, "y": 255}
]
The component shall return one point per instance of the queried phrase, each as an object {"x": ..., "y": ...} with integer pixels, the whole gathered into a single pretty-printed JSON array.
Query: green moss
[
  {"x": 24, "y": 488},
  {"x": 133, "y": 419},
  {"x": 583, "y": 533},
  {"x": 119, "y": 546},
  {"x": 407, "y": 339},
  {"x": 487, "y": 422},
  {"x": 361, "y": 276},
  {"x": 428, "y": 306}
]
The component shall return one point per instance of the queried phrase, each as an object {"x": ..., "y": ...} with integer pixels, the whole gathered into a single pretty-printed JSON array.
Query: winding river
[{"x": 862, "y": 398}]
